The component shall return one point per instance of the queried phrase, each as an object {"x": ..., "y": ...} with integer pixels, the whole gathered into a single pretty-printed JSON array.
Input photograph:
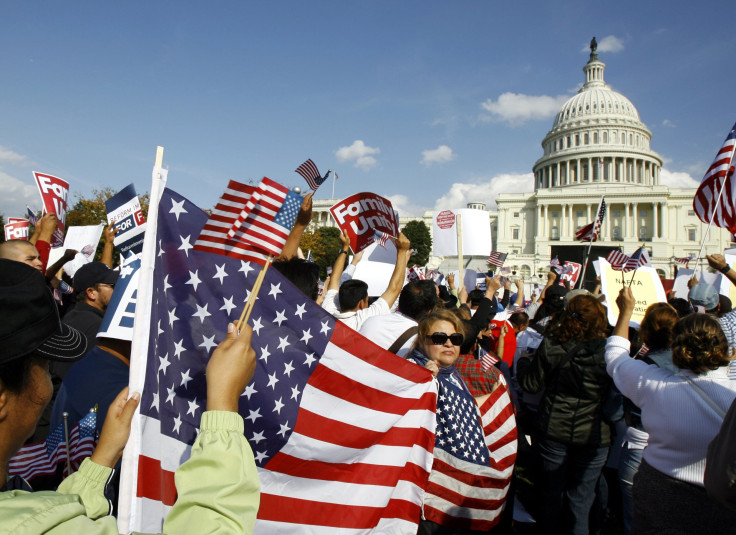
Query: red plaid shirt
[{"x": 480, "y": 382}]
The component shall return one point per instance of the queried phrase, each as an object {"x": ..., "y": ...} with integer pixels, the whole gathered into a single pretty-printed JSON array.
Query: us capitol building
[{"x": 598, "y": 146}]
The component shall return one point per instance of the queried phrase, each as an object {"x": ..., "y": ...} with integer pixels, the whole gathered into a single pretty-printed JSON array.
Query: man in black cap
[{"x": 93, "y": 286}]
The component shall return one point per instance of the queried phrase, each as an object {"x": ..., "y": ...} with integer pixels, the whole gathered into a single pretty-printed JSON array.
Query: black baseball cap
[
  {"x": 93, "y": 273},
  {"x": 29, "y": 318}
]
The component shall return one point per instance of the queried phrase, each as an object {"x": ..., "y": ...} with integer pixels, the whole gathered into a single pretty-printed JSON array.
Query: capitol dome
[{"x": 597, "y": 136}]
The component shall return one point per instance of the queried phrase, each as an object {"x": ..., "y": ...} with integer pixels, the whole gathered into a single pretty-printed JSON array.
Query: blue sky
[{"x": 428, "y": 103}]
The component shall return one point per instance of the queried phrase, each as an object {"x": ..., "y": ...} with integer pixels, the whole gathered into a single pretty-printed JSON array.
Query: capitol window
[
  {"x": 585, "y": 139},
  {"x": 577, "y": 139},
  {"x": 595, "y": 137},
  {"x": 691, "y": 235},
  {"x": 514, "y": 233},
  {"x": 616, "y": 233},
  {"x": 516, "y": 214},
  {"x": 555, "y": 234},
  {"x": 605, "y": 137}
]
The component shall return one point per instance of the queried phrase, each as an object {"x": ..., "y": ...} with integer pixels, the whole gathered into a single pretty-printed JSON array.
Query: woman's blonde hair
[{"x": 438, "y": 315}]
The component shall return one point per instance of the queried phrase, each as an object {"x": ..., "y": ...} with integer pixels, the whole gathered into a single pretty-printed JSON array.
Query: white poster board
[
  {"x": 81, "y": 239},
  {"x": 476, "y": 232}
]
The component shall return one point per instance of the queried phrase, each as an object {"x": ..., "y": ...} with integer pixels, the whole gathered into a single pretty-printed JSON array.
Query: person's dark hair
[
  {"x": 15, "y": 374},
  {"x": 519, "y": 319},
  {"x": 656, "y": 327},
  {"x": 351, "y": 293},
  {"x": 418, "y": 298},
  {"x": 681, "y": 305},
  {"x": 584, "y": 319},
  {"x": 446, "y": 298},
  {"x": 302, "y": 274},
  {"x": 726, "y": 305},
  {"x": 699, "y": 344},
  {"x": 475, "y": 296}
]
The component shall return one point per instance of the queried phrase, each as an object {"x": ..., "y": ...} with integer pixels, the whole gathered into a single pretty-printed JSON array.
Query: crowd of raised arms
[{"x": 565, "y": 418}]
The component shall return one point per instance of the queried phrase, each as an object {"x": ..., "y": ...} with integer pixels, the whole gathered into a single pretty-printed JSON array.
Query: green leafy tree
[
  {"x": 2, "y": 226},
  {"x": 324, "y": 243},
  {"x": 421, "y": 242}
]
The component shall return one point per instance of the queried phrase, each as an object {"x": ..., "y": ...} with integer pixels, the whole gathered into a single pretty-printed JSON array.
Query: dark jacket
[{"x": 575, "y": 387}]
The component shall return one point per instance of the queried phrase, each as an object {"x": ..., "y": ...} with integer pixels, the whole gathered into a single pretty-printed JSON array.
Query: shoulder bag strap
[
  {"x": 702, "y": 394},
  {"x": 401, "y": 340}
]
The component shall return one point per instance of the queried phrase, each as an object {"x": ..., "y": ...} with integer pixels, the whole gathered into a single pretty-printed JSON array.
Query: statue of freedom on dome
[{"x": 593, "y": 45}]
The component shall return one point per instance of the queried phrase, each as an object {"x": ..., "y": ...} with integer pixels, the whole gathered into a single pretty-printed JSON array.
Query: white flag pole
[
  {"x": 459, "y": 221},
  {"x": 590, "y": 244},
  {"x": 139, "y": 349}
]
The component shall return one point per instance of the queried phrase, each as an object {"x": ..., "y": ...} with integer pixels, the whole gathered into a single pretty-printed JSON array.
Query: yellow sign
[{"x": 646, "y": 287}]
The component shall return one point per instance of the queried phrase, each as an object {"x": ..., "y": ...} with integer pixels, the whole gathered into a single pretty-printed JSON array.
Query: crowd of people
[{"x": 647, "y": 401}]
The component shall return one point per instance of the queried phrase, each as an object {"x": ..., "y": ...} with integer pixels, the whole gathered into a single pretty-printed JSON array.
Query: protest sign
[
  {"x": 680, "y": 286},
  {"x": 728, "y": 288},
  {"x": 124, "y": 211},
  {"x": 82, "y": 239},
  {"x": 646, "y": 287},
  {"x": 360, "y": 215},
  {"x": 16, "y": 229},
  {"x": 54, "y": 194},
  {"x": 375, "y": 274},
  {"x": 476, "y": 233},
  {"x": 571, "y": 272}
]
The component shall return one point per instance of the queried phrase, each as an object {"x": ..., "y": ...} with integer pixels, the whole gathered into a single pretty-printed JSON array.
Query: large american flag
[
  {"x": 639, "y": 258},
  {"x": 214, "y": 236},
  {"x": 43, "y": 458},
  {"x": 469, "y": 482},
  {"x": 311, "y": 174},
  {"x": 496, "y": 259},
  {"x": 720, "y": 171},
  {"x": 591, "y": 231},
  {"x": 342, "y": 431},
  {"x": 617, "y": 259},
  {"x": 267, "y": 218}
]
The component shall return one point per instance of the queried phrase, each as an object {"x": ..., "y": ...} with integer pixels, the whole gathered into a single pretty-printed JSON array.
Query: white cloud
[
  {"x": 359, "y": 153},
  {"x": 14, "y": 195},
  {"x": 460, "y": 194},
  {"x": 669, "y": 124},
  {"x": 405, "y": 207},
  {"x": 441, "y": 154},
  {"x": 516, "y": 108},
  {"x": 609, "y": 43},
  {"x": 9, "y": 156},
  {"x": 677, "y": 179}
]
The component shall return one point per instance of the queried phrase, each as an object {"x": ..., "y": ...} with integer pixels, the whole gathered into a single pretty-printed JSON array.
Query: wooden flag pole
[
  {"x": 245, "y": 315},
  {"x": 459, "y": 220}
]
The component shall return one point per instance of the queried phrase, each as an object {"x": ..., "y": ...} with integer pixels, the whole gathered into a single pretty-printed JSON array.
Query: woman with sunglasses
[
  {"x": 459, "y": 438},
  {"x": 571, "y": 433}
]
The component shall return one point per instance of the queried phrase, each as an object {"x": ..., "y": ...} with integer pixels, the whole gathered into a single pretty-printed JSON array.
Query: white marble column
[
  {"x": 627, "y": 223},
  {"x": 655, "y": 216}
]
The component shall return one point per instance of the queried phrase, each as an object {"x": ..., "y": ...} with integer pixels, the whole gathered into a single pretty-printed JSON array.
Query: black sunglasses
[{"x": 439, "y": 339}]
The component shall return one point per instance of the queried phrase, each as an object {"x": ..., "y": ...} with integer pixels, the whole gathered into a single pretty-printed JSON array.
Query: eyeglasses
[{"x": 439, "y": 339}]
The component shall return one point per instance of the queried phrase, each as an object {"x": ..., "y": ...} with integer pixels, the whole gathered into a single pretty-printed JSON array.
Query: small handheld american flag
[
  {"x": 617, "y": 259},
  {"x": 381, "y": 237},
  {"x": 311, "y": 174},
  {"x": 496, "y": 259}
]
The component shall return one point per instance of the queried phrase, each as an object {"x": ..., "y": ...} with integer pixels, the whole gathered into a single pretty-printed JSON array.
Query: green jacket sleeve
[{"x": 218, "y": 486}]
